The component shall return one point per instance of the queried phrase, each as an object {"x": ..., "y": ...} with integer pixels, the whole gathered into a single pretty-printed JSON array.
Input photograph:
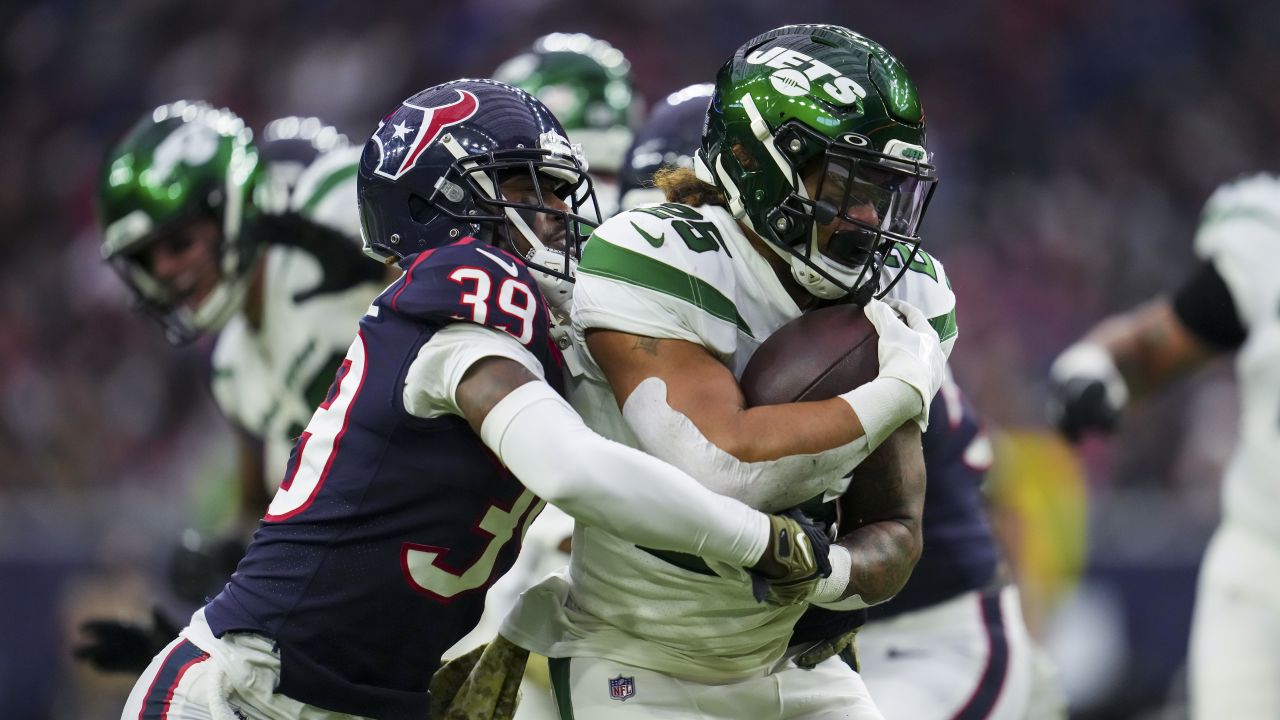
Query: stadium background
[{"x": 1076, "y": 142}]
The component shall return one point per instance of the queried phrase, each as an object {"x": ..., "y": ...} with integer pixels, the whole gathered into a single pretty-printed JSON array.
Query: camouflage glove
[
  {"x": 116, "y": 646},
  {"x": 484, "y": 684},
  {"x": 793, "y": 561},
  {"x": 842, "y": 645}
]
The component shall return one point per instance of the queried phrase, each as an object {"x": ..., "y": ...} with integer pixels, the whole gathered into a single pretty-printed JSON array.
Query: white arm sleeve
[
  {"x": 769, "y": 485},
  {"x": 613, "y": 487},
  {"x": 431, "y": 385}
]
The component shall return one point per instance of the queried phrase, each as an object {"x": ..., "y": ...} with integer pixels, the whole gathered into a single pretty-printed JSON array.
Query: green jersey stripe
[
  {"x": 330, "y": 181},
  {"x": 945, "y": 325},
  {"x": 1241, "y": 213},
  {"x": 604, "y": 259}
]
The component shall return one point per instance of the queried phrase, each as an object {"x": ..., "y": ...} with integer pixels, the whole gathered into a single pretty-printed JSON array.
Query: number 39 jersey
[{"x": 391, "y": 522}]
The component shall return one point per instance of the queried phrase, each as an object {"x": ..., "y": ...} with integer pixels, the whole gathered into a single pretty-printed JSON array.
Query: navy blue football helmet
[
  {"x": 433, "y": 174},
  {"x": 670, "y": 136}
]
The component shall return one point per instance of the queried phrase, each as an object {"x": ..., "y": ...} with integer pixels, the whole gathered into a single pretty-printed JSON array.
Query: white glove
[
  {"x": 910, "y": 351},
  {"x": 1087, "y": 391}
]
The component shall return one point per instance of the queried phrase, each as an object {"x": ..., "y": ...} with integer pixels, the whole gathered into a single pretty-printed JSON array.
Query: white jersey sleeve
[
  {"x": 663, "y": 277},
  {"x": 1240, "y": 234},
  {"x": 431, "y": 385},
  {"x": 326, "y": 191},
  {"x": 926, "y": 286}
]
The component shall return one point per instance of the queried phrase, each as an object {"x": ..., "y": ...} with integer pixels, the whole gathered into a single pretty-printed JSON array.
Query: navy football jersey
[
  {"x": 375, "y": 555},
  {"x": 960, "y": 552}
]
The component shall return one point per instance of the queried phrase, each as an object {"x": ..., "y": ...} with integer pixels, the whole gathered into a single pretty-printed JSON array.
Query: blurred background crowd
[{"x": 1076, "y": 142}]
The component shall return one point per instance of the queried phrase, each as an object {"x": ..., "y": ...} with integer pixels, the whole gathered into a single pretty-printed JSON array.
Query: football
[{"x": 817, "y": 356}]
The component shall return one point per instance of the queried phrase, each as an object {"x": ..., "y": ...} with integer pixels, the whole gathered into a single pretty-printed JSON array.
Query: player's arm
[
  {"x": 880, "y": 524},
  {"x": 686, "y": 407},
  {"x": 545, "y": 443},
  {"x": 1140, "y": 351}
]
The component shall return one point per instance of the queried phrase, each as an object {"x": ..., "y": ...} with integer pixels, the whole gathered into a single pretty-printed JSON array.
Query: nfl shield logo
[{"x": 621, "y": 688}]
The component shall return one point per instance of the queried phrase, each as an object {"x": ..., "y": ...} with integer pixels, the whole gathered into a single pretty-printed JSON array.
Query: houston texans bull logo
[{"x": 414, "y": 129}]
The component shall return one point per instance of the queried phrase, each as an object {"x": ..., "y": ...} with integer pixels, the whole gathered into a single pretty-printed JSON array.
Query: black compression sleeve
[{"x": 1206, "y": 308}]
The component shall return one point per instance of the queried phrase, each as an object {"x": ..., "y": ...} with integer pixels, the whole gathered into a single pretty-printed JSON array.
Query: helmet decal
[
  {"x": 796, "y": 70},
  {"x": 394, "y": 140}
]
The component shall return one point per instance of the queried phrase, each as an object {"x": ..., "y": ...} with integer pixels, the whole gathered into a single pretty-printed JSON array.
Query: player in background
[
  {"x": 1230, "y": 304},
  {"x": 925, "y": 653},
  {"x": 442, "y": 435},
  {"x": 587, "y": 84},
  {"x": 791, "y": 205},
  {"x": 256, "y": 240}
]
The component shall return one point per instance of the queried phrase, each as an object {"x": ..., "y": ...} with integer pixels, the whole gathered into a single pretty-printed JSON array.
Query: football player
[
  {"x": 212, "y": 239},
  {"x": 256, "y": 240},
  {"x": 442, "y": 435},
  {"x": 809, "y": 187},
  {"x": 1228, "y": 305},
  {"x": 924, "y": 654},
  {"x": 587, "y": 84}
]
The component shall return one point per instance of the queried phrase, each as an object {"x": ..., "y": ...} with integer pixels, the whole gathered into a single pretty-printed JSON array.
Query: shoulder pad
[
  {"x": 926, "y": 286},
  {"x": 1254, "y": 200},
  {"x": 675, "y": 236},
  {"x": 326, "y": 191},
  {"x": 472, "y": 281}
]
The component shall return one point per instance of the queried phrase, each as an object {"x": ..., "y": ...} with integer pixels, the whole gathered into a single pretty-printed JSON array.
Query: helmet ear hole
[
  {"x": 744, "y": 157},
  {"x": 420, "y": 210}
]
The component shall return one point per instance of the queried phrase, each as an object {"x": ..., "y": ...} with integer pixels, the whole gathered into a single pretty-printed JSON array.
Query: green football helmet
[
  {"x": 182, "y": 162},
  {"x": 825, "y": 103},
  {"x": 586, "y": 83}
]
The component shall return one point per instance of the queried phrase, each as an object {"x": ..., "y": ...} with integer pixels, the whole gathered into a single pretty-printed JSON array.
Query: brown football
[{"x": 817, "y": 356}]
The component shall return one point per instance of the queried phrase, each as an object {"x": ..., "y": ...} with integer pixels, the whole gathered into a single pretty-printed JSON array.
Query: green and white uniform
[
  {"x": 1235, "y": 634},
  {"x": 672, "y": 271},
  {"x": 269, "y": 381}
]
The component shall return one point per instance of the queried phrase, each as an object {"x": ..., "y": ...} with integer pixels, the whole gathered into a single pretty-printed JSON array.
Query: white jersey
[
  {"x": 672, "y": 271},
  {"x": 269, "y": 381},
  {"x": 1240, "y": 234}
]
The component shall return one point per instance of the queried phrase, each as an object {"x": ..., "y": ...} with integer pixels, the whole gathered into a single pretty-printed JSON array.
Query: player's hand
[
  {"x": 842, "y": 645},
  {"x": 793, "y": 561},
  {"x": 483, "y": 684},
  {"x": 116, "y": 646},
  {"x": 909, "y": 349},
  {"x": 1087, "y": 391},
  {"x": 200, "y": 566}
]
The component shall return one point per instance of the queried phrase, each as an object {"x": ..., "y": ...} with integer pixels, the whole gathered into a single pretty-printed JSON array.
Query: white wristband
[
  {"x": 1091, "y": 360},
  {"x": 833, "y": 587},
  {"x": 882, "y": 406}
]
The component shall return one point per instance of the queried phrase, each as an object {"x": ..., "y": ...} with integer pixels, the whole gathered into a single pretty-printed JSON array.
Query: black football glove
[
  {"x": 117, "y": 646},
  {"x": 201, "y": 566},
  {"x": 793, "y": 561},
  {"x": 1087, "y": 392}
]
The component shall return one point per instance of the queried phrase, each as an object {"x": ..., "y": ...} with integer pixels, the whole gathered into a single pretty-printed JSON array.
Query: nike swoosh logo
[
  {"x": 505, "y": 264},
  {"x": 654, "y": 241},
  {"x": 894, "y": 653}
]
